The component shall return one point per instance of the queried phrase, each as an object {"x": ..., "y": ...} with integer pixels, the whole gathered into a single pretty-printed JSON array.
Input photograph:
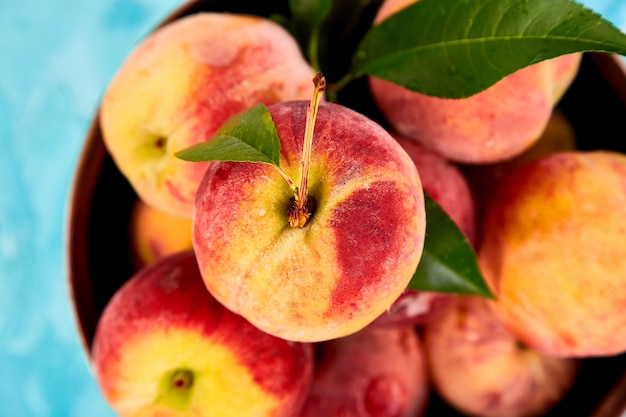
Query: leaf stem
[
  {"x": 286, "y": 177},
  {"x": 314, "y": 49}
]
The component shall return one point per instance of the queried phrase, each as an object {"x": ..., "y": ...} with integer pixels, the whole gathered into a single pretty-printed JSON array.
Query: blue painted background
[{"x": 56, "y": 58}]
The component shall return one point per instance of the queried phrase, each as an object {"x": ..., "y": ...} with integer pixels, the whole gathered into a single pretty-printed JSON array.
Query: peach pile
[{"x": 258, "y": 295}]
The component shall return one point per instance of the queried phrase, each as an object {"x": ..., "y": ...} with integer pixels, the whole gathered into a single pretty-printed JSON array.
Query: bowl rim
[
  {"x": 86, "y": 172},
  {"x": 88, "y": 169}
]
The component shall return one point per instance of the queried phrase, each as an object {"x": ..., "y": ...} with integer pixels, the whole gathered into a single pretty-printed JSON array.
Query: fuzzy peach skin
[
  {"x": 352, "y": 259},
  {"x": 180, "y": 84},
  {"x": 375, "y": 372},
  {"x": 164, "y": 346},
  {"x": 446, "y": 184},
  {"x": 481, "y": 369},
  {"x": 495, "y": 124},
  {"x": 155, "y": 233},
  {"x": 554, "y": 253}
]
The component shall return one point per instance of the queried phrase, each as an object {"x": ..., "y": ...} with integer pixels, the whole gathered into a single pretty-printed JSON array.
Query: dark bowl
[{"x": 98, "y": 251}]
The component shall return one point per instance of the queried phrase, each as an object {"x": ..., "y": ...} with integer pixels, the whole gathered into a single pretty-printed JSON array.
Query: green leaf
[
  {"x": 456, "y": 48},
  {"x": 249, "y": 136},
  {"x": 448, "y": 262}
]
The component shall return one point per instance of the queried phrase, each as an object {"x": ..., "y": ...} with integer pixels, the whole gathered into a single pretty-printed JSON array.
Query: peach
[
  {"x": 178, "y": 87},
  {"x": 479, "y": 368},
  {"x": 377, "y": 372},
  {"x": 492, "y": 125},
  {"x": 553, "y": 252},
  {"x": 350, "y": 260},
  {"x": 155, "y": 233},
  {"x": 164, "y": 346}
]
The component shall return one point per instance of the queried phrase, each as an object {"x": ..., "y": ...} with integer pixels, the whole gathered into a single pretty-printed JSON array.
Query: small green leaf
[
  {"x": 249, "y": 136},
  {"x": 456, "y": 48},
  {"x": 448, "y": 262}
]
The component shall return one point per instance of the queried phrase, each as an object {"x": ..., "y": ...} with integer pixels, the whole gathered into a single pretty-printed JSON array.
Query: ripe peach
[
  {"x": 155, "y": 233},
  {"x": 495, "y": 124},
  {"x": 377, "y": 372},
  {"x": 553, "y": 252},
  {"x": 179, "y": 86},
  {"x": 481, "y": 369},
  {"x": 350, "y": 261},
  {"x": 164, "y": 346}
]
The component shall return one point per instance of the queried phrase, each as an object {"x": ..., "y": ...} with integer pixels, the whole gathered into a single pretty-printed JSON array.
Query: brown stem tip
[{"x": 299, "y": 214}]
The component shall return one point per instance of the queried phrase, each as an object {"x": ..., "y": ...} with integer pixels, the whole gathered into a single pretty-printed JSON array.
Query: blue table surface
[{"x": 56, "y": 59}]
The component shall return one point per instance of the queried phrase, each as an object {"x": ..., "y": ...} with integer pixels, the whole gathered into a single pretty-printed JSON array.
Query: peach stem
[
  {"x": 301, "y": 210},
  {"x": 311, "y": 114}
]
